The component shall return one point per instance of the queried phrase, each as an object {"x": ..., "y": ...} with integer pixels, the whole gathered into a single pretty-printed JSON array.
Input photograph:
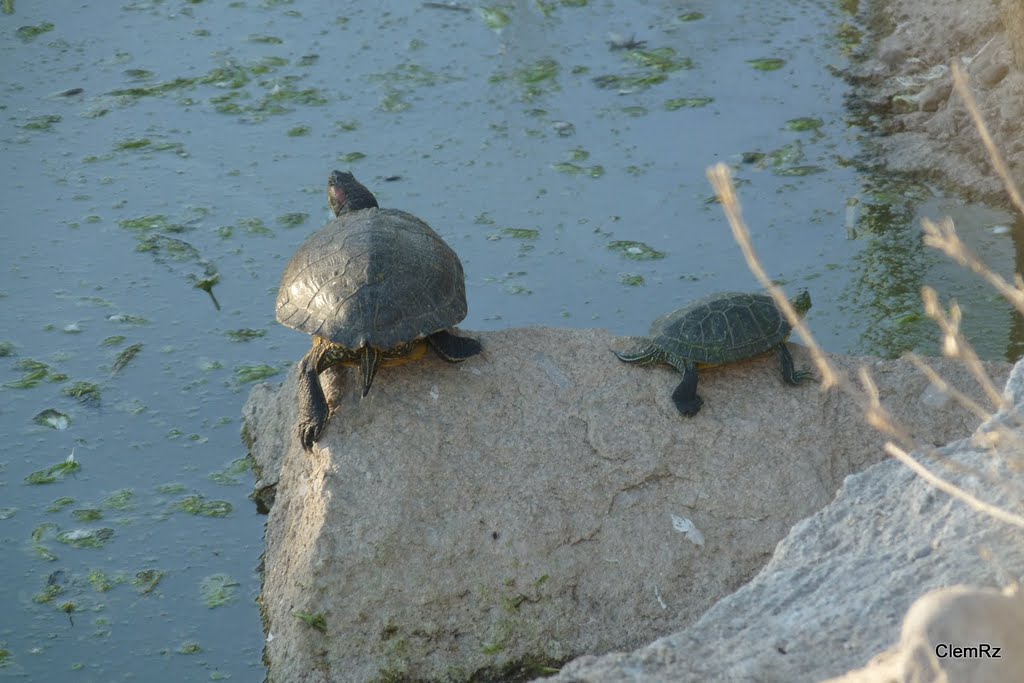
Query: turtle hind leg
[
  {"x": 452, "y": 347},
  {"x": 685, "y": 396},
  {"x": 647, "y": 355},
  {"x": 790, "y": 373},
  {"x": 312, "y": 402}
]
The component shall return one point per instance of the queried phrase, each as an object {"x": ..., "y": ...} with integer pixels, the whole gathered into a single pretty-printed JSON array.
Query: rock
[
  {"x": 990, "y": 76},
  {"x": 838, "y": 585},
  {"x": 934, "y": 34},
  {"x": 962, "y": 633},
  {"x": 892, "y": 50},
  {"x": 934, "y": 95},
  {"x": 542, "y": 501}
]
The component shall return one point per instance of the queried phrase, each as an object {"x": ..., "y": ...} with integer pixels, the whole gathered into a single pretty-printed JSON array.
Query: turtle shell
[
  {"x": 377, "y": 277},
  {"x": 722, "y": 328}
]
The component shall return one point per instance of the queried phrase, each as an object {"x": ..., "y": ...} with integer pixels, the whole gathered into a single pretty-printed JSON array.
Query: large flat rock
[
  {"x": 486, "y": 520},
  {"x": 835, "y": 593}
]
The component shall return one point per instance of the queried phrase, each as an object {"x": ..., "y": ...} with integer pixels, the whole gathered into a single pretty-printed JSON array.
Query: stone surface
[
  {"x": 532, "y": 504},
  {"x": 837, "y": 588}
]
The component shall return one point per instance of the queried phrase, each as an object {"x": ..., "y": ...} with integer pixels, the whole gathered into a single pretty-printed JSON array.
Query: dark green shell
[
  {"x": 721, "y": 328},
  {"x": 374, "y": 277}
]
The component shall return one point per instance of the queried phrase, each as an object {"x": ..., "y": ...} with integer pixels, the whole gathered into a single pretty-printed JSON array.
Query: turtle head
[
  {"x": 802, "y": 302},
  {"x": 346, "y": 194}
]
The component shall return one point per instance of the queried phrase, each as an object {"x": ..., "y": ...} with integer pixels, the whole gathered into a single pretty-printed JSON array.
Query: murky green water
[{"x": 568, "y": 175}]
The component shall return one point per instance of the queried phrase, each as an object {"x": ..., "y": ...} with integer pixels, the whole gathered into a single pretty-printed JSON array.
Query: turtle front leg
[
  {"x": 685, "y": 396},
  {"x": 789, "y": 373},
  {"x": 311, "y": 399},
  {"x": 452, "y": 347}
]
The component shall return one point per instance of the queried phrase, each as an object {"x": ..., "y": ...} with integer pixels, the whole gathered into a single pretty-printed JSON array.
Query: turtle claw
[{"x": 308, "y": 433}]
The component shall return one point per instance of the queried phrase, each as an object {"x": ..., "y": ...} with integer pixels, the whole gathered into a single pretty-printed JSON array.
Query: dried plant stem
[
  {"x": 721, "y": 181},
  {"x": 943, "y": 236},
  {"x": 868, "y": 398},
  {"x": 955, "y": 346},
  {"x": 945, "y": 387},
  {"x": 998, "y": 163},
  {"x": 953, "y": 490}
]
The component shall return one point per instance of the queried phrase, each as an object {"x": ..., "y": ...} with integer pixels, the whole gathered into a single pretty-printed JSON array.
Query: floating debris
[
  {"x": 292, "y": 220},
  {"x": 495, "y": 17},
  {"x": 245, "y": 374},
  {"x": 125, "y": 357},
  {"x": 146, "y": 580},
  {"x": 617, "y": 41},
  {"x": 229, "y": 475},
  {"x": 35, "y": 371},
  {"x": 84, "y": 392},
  {"x": 56, "y": 472},
  {"x": 563, "y": 128},
  {"x": 29, "y": 33},
  {"x": 101, "y": 582},
  {"x": 200, "y": 272},
  {"x": 54, "y": 419},
  {"x": 197, "y": 505},
  {"x": 87, "y": 514},
  {"x": 86, "y": 538},
  {"x": 687, "y": 103},
  {"x": 351, "y": 157},
  {"x": 767, "y": 64},
  {"x": 44, "y": 122},
  {"x": 218, "y": 590},
  {"x": 805, "y": 123},
  {"x": 60, "y": 503},
  {"x": 447, "y": 5},
  {"x": 521, "y": 233},
  {"x": 127, "y": 319},
  {"x": 798, "y": 171},
  {"x": 631, "y": 279},
  {"x": 637, "y": 251},
  {"x": 244, "y": 334},
  {"x": 122, "y": 499}
]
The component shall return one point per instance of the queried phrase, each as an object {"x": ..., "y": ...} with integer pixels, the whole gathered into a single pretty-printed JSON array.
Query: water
[{"x": 569, "y": 177}]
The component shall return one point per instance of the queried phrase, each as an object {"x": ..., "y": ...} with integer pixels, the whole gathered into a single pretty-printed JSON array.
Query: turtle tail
[{"x": 369, "y": 360}]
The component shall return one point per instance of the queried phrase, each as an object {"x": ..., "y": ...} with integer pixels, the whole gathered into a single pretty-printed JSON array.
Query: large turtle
[
  {"x": 721, "y": 328},
  {"x": 373, "y": 287}
]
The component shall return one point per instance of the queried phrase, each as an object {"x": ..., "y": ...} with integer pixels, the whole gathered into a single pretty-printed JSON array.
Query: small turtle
[
  {"x": 373, "y": 287},
  {"x": 718, "y": 329}
]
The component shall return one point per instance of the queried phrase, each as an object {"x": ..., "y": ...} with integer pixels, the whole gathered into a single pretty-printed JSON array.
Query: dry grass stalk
[
  {"x": 868, "y": 398},
  {"x": 721, "y": 181},
  {"x": 952, "y": 489},
  {"x": 955, "y": 346},
  {"x": 877, "y": 416},
  {"x": 945, "y": 387},
  {"x": 943, "y": 236},
  {"x": 998, "y": 163}
]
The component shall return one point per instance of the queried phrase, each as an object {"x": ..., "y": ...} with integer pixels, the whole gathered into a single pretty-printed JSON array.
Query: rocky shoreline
[{"x": 903, "y": 86}]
